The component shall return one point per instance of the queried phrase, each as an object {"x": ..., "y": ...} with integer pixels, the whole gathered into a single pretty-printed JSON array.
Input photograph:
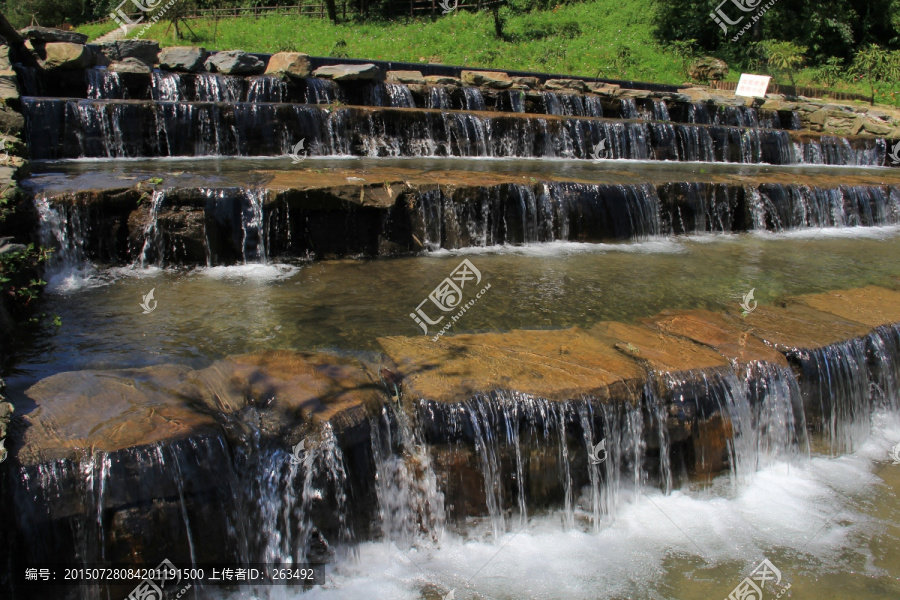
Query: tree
[
  {"x": 783, "y": 57},
  {"x": 873, "y": 63},
  {"x": 830, "y": 72}
]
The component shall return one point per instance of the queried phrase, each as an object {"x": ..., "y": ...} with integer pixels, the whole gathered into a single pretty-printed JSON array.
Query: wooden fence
[{"x": 795, "y": 90}]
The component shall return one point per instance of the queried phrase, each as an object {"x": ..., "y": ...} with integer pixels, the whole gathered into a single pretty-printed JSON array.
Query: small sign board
[{"x": 752, "y": 85}]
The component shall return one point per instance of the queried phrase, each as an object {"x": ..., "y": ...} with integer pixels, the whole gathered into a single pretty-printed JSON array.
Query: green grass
[{"x": 600, "y": 38}]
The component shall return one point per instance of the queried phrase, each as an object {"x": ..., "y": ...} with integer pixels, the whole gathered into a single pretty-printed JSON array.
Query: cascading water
[
  {"x": 474, "y": 99},
  {"x": 102, "y": 83},
  {"x": 267, "y": 88},
  {"x": 109, "y": 128}
]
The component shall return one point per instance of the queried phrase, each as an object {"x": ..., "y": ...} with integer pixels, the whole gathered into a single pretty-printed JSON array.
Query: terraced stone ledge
[
  {"x": 381, "y": 211},
  {"x": 215, "y": 422}
]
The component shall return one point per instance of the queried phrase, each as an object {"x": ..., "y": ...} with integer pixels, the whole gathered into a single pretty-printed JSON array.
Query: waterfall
[
  {"x": 410, "y": 504},
  {"x": 322, "y": 91},
  {"x": 783, "y": 207},
  {"x": 439, "y": 98},
  {"x": 213, "y": 87},
  {"x": 104, "y": 84},
  {"x": 389, "y": 94},
  {"x": 521, "y": 214},
  {"x": 66, "y": 229},
  {"x": 628, "y": 109},
  {"x": 111, "y": 128},
  {"x": 166, "y": 87},
  {"x": 660, "y": 111},
  {"x": 153, "y": 241},
  {"x": 267, "y": 88},
  {"x": 474, "y": 99}
]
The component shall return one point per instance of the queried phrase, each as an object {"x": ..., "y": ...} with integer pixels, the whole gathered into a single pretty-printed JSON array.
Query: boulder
[
  {"x": 46, "y": 35},
  {"x": 529, "y": 82},
  {"x": 347, "y": 72},
  {"x": 442, "y": 80},
  {"x": 235, "y": 62},
  {"x": 9, "y": 86},
  {"x": 490, "y": 79},
  {"x": 566, "y": 84},
  {"x": 130, "y": 65},
  {"x": 5, "y": 60},
  {"x": 10, "y": 120},
  {"x": 292, "y": 64},
  {"x": 410, "y": 77},
  {"x": 708, "y": 68},
  {"x": 66, "y": 55},
  {"x": 145, "y": 51},
  {"x": 188, "y": 59}
]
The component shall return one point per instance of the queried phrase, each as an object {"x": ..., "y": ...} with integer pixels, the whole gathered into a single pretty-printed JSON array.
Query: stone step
[{"x": 378, "y": 210}]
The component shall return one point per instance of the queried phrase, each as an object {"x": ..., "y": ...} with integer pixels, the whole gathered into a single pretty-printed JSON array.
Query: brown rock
[
  {"x": 95, "y": 410},
  {"x": 799, "y": 327},
  {"x": 442, "y": 80},
  {"x": 872, "y": 306},
  {"x": 292, "y": 64},
  {"x": 489, "y": 79},
  {"x": 556, "y": 365},
  {"x": 730, "y": 338},
  {"x": 64, "y": 55},
  {"x": 576, "y": 85},
  {"x": 659, "y": 351},
  {"x": 409, "y": 77}
]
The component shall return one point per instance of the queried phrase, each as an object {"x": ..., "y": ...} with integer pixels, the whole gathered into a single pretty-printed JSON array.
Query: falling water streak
[{"x": 152, "y": 238}]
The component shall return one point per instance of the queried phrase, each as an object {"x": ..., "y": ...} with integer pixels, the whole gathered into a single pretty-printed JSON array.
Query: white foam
[
  {"x": 800, "y": 510},
  {"x": 253, "y": 272},
  {"x": 562, "y": 248}
]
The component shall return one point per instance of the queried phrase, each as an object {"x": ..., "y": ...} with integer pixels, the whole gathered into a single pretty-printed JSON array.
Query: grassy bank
[{"x": 603, "y": 38}]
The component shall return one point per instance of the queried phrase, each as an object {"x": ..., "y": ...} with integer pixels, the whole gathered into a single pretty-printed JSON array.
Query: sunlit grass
[{"x": 603, "y": 38}]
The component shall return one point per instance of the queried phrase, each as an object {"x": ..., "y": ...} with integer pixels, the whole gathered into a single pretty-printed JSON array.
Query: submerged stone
[{"x": 557, "y": 365}]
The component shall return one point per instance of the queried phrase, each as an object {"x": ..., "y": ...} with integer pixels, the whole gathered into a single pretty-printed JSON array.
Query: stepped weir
[{"x": 596, "y": 242}]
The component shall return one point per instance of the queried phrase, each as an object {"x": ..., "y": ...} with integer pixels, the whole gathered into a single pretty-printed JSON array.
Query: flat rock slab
[
  {"x": 655, "y": 349},
  {"x": 728, "y": 337},
  {"x": 872, "y": 306},
  {"x": 557, "y": 365},
  {"x": 84, "y": 411},
  {"x": 367, "y": 71},
  {"x": 800, "y": 327}
]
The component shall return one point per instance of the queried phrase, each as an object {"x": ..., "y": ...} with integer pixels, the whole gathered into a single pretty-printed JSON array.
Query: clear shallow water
[
  {"x": 207, "y": 313},
  {"x": 830, "y": 525}
]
